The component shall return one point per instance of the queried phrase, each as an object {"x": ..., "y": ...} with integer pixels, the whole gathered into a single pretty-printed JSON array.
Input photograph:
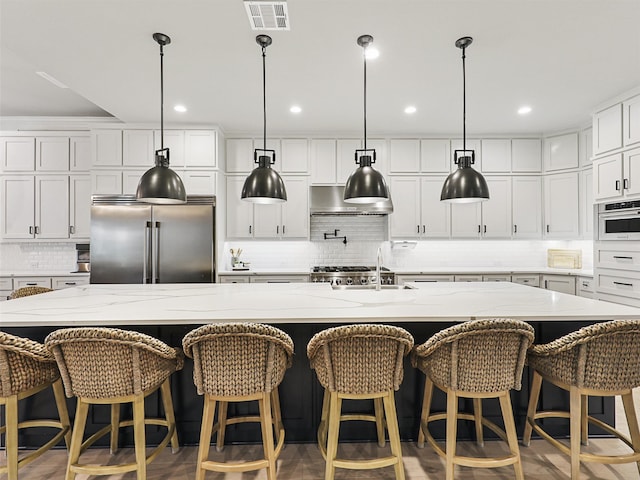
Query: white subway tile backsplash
[{"x": 49, "y": 256}]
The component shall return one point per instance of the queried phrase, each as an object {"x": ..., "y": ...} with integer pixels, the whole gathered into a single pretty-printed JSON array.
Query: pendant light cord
[
  {"x": 161, "y": 99},
  {"x": 264, "y": 98},
  {"x": 364, "y": 54},
  {"x": 464, "y": 106}
]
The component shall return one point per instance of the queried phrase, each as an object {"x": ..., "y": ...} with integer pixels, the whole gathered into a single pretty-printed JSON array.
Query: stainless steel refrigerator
[{"x": 133, "y": 242}]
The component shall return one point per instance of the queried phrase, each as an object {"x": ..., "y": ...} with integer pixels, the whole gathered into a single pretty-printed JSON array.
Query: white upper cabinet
[
  {"x": 295, "y": 155},
  {"x": 130, "y": 180},
  {"x": 382, "y": 156},
  {"x": 52, "y": 154},
  {"x": 561, "y": 205},
  {"x": 295, "y": 211},
  {"x": 80, "y": 154},
  {"x": 607, "y": 178},
  {"x": 79, "y": 206},
  {"x": 18, "y": 206},
  {"x": 471, "y": 144},
  {"x": 174, "y": 141},
  {"x": 490, "y": 219},
  {"x": 346, "y": 158},
  {"x": 240, "y": 154},
  {"x": 40, "y": 153},
  {"x": 18, "y": 154},
  {"x": 526, "y": 155},
  {"x": 466, "y": 220},
  {"x": 496, "y": 155},
  {"x": 631, "y": 121},
  {"x": 323, "y": 162},
  {"x": 586, "y": 147},
  {"x": 106, "y": 182},
  {"x": 607, "y": 129},
  {"x": 435, "y": 155},
  {"x": 435, "y": 215},
  {"x": 404, "y": 155},
  {"x": 586, "y": 204},
  {"x": 137, "y": 148},
  {"x": 106, "y": 148},
  {"x": 561, "y": 152},
  {"x": 527, "y": 206},
  {"x": 199, "y": 182},
  {"x": 239, "y": 212},
  {"x": 200, "y": 149}
]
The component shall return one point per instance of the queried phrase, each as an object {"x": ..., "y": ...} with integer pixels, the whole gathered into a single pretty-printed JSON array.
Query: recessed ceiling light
[
  {"x": 410, "y": 109},
  {"x": 49, "y": 78},
  {"x": 295, "y": 109},
  {"x": 524, "y": 110},
  {"x": 180, "y": 108},
  {"x": 371, "y": 53}
]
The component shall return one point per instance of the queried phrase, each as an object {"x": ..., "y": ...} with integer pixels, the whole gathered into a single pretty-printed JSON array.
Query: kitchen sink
[{"x": 372, "y": 287}]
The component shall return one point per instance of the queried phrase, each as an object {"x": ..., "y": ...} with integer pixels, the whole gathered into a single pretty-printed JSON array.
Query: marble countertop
[
  {"x": 174, "y": 304},
  {"x": 42, "y": 273}
]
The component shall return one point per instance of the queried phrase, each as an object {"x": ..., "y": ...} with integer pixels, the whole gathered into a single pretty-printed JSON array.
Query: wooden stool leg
[
  {"x": 277, "y": 414},
  {"x": 378, "y": 409},
  {"x": 426, "y": 408},
  {"x": 222, "y": 425},
  {"x": 452, "y": 431},
  {"x": 575, "y": 422},
  {"x": 323, "y": 428},
  {"x": 335, "y": 404},
  {"x": 584, "y": 419},
  {"x": 167, "y": 404},
  {"x": 139, "y": 437},
  {"x": 208, "y": 412},
  {"x": 536, "y": 384},
  {"x": 394, "y": 433},
  {"x": 115, "y": 426},
  {"x": 63, "y": 413},
  {"x": 477, "y": 414},
  {"x": 266, "y": 422},
  {"x": 510, "y": 429},
  {"x": 632, "y": 421},
  {"x": 11, "y": 414},
  {"x": 82, "y": 408}
]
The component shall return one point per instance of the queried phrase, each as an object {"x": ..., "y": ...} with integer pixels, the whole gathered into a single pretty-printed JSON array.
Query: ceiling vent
[{"x": 267, "y": 15}]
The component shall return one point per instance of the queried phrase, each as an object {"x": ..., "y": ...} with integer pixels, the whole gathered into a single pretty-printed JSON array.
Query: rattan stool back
[{"x": 28, "y": 291}]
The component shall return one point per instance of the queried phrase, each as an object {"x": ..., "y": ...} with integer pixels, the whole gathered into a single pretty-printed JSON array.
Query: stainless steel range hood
[{"x": 328, "y": 200}]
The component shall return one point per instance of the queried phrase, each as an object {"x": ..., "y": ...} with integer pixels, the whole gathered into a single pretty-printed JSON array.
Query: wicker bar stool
[
  {"x": 598, "y": 360},
  {"x": 112, "y": 366},
  {"x": 239, "y": 362},
  {"x": 359, "y": 362},
  {"x": 28, "y": 291},
  {"x": 26, "y": 368},
  {"x": 477, "y": 359}
]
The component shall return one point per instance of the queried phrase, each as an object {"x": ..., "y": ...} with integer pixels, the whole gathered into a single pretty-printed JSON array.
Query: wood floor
[{"x": 304, "y": 462}]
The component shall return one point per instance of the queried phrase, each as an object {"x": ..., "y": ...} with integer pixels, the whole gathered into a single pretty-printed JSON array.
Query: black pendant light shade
[
  {"x": 366, "y": 184},
  {"x": 464, "y": 185},
  {"x": 264, "y": 185},
  {"x": 160, "y": 184}
]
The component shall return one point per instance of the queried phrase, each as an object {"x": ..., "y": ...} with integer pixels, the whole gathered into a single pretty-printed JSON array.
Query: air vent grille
[{"x": 267, "y": 15}]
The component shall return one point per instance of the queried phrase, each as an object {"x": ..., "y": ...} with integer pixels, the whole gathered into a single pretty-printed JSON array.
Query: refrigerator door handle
[
  {"x": 145, "y": 253},
  {"x": 156, "y": 254}
]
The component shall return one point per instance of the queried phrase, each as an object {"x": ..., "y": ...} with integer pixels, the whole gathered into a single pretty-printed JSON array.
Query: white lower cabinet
[
  {"x": 233, "y": 278},
  {"x": 496, "y": 278},
  {"x": 58, "y": 283},
  {"x": 260, "y": 278},
  {"x": 20, "y": 282},
  {"x": 6, "y": 287},
  {"x": 584, "y": 287},
  {"x": 617, "y": 272},
  {"x": 467, "y": 278},
  {"x": 533, "y": 280},
  {"x": 404, "y": 278},
  {"x": 559, "y": 283}
]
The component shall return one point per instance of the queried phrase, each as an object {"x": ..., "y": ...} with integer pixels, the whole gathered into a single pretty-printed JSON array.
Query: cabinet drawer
[
  {"x": 280, "y": 279},
  {"x": 617, "y": 282},
  {"x": 402, "y": 279},
  {"x": 496, "y": 278},
  {"x": 585, "y": 284},
  {"x": 619, "y": 259},
  {"x": 31, "y": 282},
  {"x": 468, "y": 278},
  {"x": 233, "y": 279},
  {"x": 531, "y": 280},
  {"x": 6, "y": 284},
  {"x": 68, "y": 282}
]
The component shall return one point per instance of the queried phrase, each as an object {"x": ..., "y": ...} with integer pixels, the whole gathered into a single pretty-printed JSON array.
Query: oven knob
[
  {"x": 374, "y": 279},
  {"x": 389, "y": 281},
  {"x": 338, "y": 281},
  {"x": 363, "y": 280},
  {"x": 315, "y": 280},
  {"x": 349, "y": 281}
]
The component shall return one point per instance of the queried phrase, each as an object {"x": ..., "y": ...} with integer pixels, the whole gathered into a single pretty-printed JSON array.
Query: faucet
[{"x": 378, "y": 262}]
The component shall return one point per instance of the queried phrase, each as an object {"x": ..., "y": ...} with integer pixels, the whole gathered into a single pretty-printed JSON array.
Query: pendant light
[
  {"x": 160, "y": 184},
  {"x": 264, "y": 185},
  {"x": 366, "y": 184},
  {"x": 465, "y": 185}
]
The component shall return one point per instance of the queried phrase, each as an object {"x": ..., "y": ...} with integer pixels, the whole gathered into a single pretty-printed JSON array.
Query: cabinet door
[
  {"x": 106, "y": 148},
  {"x": 199, "y": 182},
  {"x": 200, "y": 149},
  {"x": 404, "y": 156},
  {"x": 323, "y": 162},
  {"x": 52, "y": 154},
  {"x": 585, "y": 150},
  {"x": 18, "y": 207},
  {"x": 527, "y": 207},
  {"x": 267, "y": 220},
  {"x": 435, "y": 215},
  {"x": 295, "y": 211},
  {"x": 106, "y": 181},
  {"x": 496, "y": 155},
  {"x": 496, "y": 212},
  {"x": 18, "y": 154},
  {"x": 435, "y": 156},
  {"x": 346, "y": 163},
  {"x": 295, "y": 155},
  {"x": 631, "y": 120},
  {"x": 559, "y": 283},
  {"x": 405, "y": 219},
  {"x": 52, "y": 206},
  {"x": 586, "y": 204},
  {"x": 174, "y": 141},
  {"x": 80, "y": 154},
  {"x": 531, "y": 280},
  {"x": 79, "y": 206},
  {"x": 239, "y": 212},
  {"x": 526, "y": 155},
  {"x": 561, "y": 152},
  {"x": 382, "y": 155},
  {"x": 130, "y": 180},
  {"x": 472, "y": 144},
  {"x": 607, "y": 178},
  {"x": 631, "y": 170},
  {"x": 607, "y": 129},
  {"x": 239, "y": 155},
  {"x": 466, "y": 220},
  {"x": 561, "y": 205},
  {"x": 137, "y": 148}
]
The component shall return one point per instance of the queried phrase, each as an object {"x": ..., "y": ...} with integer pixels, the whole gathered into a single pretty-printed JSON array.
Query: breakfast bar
[{"x": 169, "y": 311}]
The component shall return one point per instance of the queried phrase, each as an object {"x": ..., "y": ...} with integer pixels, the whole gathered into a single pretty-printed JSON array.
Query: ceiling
[{"x": 561, "y": 57}]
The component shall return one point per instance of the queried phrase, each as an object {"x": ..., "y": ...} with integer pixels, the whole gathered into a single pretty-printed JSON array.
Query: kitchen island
[{"x": 169, "y": 311}]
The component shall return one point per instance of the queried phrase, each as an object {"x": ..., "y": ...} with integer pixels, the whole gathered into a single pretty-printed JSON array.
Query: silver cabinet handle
[
  {"x": 624, "y": 284},
  {"x": 145, "y": 253},
  {"x": 618, "y": 185},
  {"x": 625, "y": 184}
]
